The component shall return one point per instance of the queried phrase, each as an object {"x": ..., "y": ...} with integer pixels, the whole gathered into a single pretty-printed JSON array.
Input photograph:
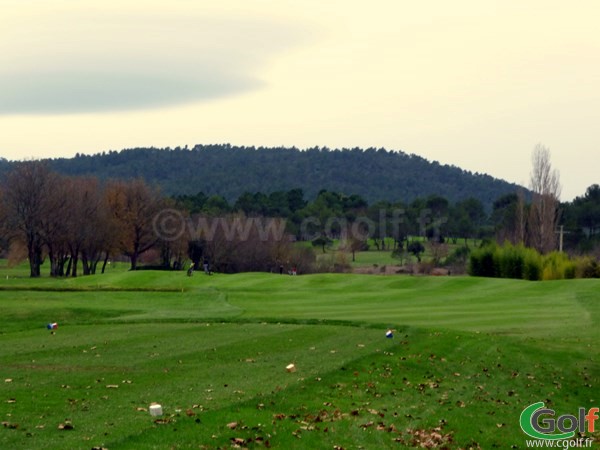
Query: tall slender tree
[{"x": 544, "y": 211}]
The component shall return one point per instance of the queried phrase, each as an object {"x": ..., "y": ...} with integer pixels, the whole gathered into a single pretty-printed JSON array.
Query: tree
[
  {"x": 465, "y": 219},
  {"x": 28, "y": 191},
  {"x": 322, "y": 241},
  {"x": 588, "y": 210},
  {"x": 54, "y": 224},
  {"x": 380, "y": 215},
  {"x": 505, "y": 217},
  {"x": 416, "y": 248},
  {"x": 91, "y": 227},
  {"x": 544, "y": 212},
  {"x": 134, "y": 207}
]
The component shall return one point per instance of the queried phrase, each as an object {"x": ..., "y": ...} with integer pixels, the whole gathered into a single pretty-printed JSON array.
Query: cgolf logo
[{"x": 538, "y": 422}]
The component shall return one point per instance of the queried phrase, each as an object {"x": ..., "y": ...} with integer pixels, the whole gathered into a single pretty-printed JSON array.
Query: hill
[{"x": 375, "y": 174}]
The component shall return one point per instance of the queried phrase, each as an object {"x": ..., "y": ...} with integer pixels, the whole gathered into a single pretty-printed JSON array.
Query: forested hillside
[{"x": 375, "y": 174}]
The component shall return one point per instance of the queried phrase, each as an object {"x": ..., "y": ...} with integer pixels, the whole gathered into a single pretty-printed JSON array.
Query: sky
[{"x": 475, "y": 84}]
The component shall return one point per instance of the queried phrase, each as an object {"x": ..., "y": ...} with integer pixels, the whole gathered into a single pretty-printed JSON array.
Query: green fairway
[{"x": 467, "y": 356}]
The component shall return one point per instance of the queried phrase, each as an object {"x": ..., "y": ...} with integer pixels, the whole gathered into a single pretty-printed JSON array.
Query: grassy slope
[{"x": 469, "y": 354}]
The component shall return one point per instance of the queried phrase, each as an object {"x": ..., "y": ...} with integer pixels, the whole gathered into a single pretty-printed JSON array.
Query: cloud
[
  {"x": 113, "y": 60},
  {"x": 75, "y": 92}
]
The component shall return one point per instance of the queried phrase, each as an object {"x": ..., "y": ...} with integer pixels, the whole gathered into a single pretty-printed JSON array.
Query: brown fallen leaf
[
  {"x": 232, "y": 425},
  {"x": 65, "y": 426}
]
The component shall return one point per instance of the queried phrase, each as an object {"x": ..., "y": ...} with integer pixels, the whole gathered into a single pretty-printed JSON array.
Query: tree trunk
[
  {"x": 94, "y": 265},
  {"x": 75, "y": 259},
  {"x": 105, "y": 262},
  {"x": 85, "y": 263},
  {"x": 53, "y": 262},
  {"x": 69, "y": 266},
  {"x": 134, "y": 260},
  {"x": 35, "y": 260}
]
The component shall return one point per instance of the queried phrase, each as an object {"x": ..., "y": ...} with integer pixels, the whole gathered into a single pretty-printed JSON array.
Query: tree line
[
  {"x": 77, "y": 222},
  {"x": 226, "y": 170}
]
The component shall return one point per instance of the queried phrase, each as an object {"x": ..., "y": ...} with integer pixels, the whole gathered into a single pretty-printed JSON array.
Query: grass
[{"x": 467, "y": 356}]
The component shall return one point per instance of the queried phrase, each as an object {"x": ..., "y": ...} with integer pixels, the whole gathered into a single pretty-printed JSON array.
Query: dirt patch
[
  {"x": 407, "y": 270},
  {"x": 383, "y": 270}
]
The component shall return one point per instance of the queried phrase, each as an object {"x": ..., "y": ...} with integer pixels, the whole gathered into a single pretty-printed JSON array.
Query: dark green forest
[{"x": 229, "y": 171}]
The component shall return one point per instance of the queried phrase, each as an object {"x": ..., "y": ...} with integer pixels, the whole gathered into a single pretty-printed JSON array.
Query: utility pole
[
  {"x": 561, "y": 232},
  {"x": 560, "y": 239}
]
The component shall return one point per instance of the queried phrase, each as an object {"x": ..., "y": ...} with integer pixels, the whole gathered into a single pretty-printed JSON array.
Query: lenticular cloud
[{"x": 75, "y": 92}]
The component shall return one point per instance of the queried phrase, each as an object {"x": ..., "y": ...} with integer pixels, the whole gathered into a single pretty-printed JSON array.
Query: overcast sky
[{"x": 476, "y": 84}]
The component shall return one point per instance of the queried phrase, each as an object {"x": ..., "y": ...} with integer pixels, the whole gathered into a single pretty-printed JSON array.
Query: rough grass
[{"x": 468, "y": 354}]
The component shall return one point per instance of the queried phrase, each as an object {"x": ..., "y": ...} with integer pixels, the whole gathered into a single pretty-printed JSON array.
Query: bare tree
[
  {"x": 90, "y": 226},
  {"x": 134, "y": 206},
  {"x": 54, "y": 224},
  {"x": 28, "y": 191},
  {"x": 544, "y": 212}
]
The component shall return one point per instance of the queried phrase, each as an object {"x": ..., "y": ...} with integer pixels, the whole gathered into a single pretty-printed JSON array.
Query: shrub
[
  {"x": 457, "y": 261},
  {"x": 532, "y": 265},
  {"x": 302, "y": 258},
  {"x": 333, "y": 262},
  {"x": 460, "y": 255},
  {"x": 558, "y": 266},
  {"x": 481, "y": 261},
  {"x": 587, "y": 267},
  {"x": 517, "y": 261},
  {"x": 510, "y": 261}
]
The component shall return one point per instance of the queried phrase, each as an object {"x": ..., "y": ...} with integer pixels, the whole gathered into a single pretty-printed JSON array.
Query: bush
[
  {"x": 333, "y": 262},
  {"x": 587, "y": 267},
  {"x": 521, "y": 262},
  {"x": 510, "y": 260},
  {"x": 532, "y": 267},
  {"x": 457, "y": 261},
  {"x": 557, "y": 266},
  {"x": 302, "y": 258},
  {"x": 507, "y": 261},
  {"x": 481, "y": 261},
  {"x": 459, "y": 256}
]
